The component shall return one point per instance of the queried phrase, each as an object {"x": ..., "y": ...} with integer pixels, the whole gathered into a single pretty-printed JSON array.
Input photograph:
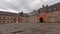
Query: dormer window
[{"x": 49, "y": 10}]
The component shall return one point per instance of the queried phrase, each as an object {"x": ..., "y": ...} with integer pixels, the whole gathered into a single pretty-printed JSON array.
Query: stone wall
[
  {"x": 33, "y": 19},
  {"x": 53, "y": 16}
]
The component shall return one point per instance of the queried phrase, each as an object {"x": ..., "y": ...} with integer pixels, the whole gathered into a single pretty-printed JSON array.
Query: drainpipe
[{"x": 27, "y": 17}]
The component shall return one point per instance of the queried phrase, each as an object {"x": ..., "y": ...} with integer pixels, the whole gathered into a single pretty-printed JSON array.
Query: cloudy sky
[{"x": 24, "y": 5}]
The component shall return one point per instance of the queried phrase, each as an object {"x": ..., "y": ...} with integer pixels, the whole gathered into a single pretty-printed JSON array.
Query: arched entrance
[{"x": 41, "y": 19}]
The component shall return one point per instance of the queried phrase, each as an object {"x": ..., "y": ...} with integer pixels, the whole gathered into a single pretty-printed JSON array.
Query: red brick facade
[{"x": 7, "y": 17}]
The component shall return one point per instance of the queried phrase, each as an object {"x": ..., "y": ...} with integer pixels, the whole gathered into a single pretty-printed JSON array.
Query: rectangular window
[
  {"x": 0, "y": 17},
  {"x": 59, "y": 12},
  {"x": 3, "y": 21},
  {"x": 7, "y": 21},
  {"x": 11, "y": 21}
]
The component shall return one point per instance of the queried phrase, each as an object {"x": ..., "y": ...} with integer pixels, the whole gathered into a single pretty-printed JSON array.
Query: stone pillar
[{"x": 16, "y": 19}]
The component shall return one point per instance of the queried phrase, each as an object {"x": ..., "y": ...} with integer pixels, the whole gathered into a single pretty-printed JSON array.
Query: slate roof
[
  {"x": 12, "y": 14},
  {"x": 50, "y": 8},
  {"x": 33, "y": 13},
  {"x": 23, "y": 14},
  {"x": 7, "y": 13}
]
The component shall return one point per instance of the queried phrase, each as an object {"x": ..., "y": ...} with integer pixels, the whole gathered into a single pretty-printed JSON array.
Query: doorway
[{"x": 41, "y": 20}]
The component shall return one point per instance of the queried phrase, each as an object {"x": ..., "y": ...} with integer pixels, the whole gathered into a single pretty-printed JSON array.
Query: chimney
[
  {"x": 46, "y": 6},
  {"x": 43, "y": 6}
]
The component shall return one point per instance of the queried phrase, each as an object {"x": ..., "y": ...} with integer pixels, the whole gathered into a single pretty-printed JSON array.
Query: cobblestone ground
[{"x": 30, "y": 28}]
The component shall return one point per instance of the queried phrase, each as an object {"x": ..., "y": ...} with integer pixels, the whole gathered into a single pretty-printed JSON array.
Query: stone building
[
  {"x": 8, "y": 17},
  {"x": 32, "y": 17},
  {"x": 49, "y": 13},
  {"x": 45, "y": 14}
]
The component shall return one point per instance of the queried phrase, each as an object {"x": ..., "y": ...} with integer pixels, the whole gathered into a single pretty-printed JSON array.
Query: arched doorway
[{"x": 41, "y": 20}]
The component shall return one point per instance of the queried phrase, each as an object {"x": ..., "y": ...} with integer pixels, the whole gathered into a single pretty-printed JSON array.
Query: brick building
[
  {"x": 45, "y": 14},
  {"x": 8, "y": 17},
  {"x": 32, "y": 17},
  {"x": 49, "y": 13}
]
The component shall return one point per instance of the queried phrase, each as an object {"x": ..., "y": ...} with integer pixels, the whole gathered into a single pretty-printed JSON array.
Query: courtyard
[{"x": 30, "y": 28}]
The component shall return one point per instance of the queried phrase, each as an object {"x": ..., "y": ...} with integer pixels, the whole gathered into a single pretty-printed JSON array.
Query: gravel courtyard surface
[{"x": 30, "y": 28}]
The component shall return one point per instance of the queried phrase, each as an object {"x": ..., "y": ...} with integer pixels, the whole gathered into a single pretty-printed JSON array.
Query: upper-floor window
[
  {"x": 59, "y": 12},
  {"x": 8, "y": 21},
  {"x": 9, "y": 17},
  {"x": 49, "y": 10},
  {"x": 2, "y": 17},
  {"x": 54, "y": 8}
]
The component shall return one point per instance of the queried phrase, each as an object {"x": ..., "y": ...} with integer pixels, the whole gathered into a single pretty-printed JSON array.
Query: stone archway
[{"x": 41, "y": 20}]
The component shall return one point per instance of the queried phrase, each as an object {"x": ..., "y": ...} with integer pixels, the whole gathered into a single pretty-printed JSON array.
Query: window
[
  {"x": 59, "y": 12},
  {"x": 7, "y": 21},
  {"x": 8, "y": 17},
  {"x": 0, "y": 21},
  {"x": 0, "y": 17},
  {"x": 3, "y": 21},
  {"x": 54, "y": 8},
  {"x": 49, "y": 10},
  {"x": 11, "y": 21}
]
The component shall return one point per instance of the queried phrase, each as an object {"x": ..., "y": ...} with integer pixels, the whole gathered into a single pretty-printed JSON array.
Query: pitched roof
[
  {"x": 55, "y": 6},
  {"x": 50, "y": 8},
  {"x": 13, "y": 14},
  {"x": 7, "y": 13},
  {"x": 33, "y": 13},
  {"x": 23, "y": 14}
]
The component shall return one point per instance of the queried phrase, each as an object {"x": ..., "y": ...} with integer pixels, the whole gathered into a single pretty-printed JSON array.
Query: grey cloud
[{"x": 29, "y": 5}]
